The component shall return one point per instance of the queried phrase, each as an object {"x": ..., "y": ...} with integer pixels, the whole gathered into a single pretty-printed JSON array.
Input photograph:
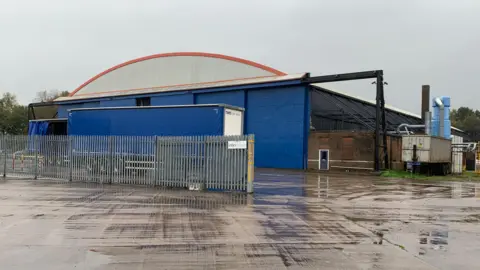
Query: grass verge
[{"x": 466, "y": 176}]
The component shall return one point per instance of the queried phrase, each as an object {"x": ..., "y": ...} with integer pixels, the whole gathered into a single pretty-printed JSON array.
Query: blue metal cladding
[
  {"x": 63, "y": 108},
  {"x": 117, "y": 103},
  {"x": 125, "y": 102},
  {"x": 234, "y": 98},
  {"x": 180, "y": 99},
  {"x": 278, "y": 114},
  {"x": 170, "y": 121},
  {"x": 307, "y": 110},
  {"x": 279, "y": 119}
]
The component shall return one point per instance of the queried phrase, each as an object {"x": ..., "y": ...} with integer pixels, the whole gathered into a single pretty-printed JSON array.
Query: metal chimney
[
  {"x": 425, "y": 100},
  {"x": 428, "y": 120}
]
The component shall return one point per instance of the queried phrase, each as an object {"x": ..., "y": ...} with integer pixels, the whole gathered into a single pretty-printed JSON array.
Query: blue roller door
[{"x": 277, "y": 118}]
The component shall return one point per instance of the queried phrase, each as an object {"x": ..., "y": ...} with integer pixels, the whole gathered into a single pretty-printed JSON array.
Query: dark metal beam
[
  {"x": 344, "y": 77},
  {"x": 340, "y": 115},
  {"x": 42, "y": 104},
  {"x": 380, "y": 126},
  {"x": 378, "y": 122},
  {"x": 31, "y": 110},
  {"x": 386, "y": 160},
  {"x": 346, "y": 120},
  {"x": 380, "y": 118}
]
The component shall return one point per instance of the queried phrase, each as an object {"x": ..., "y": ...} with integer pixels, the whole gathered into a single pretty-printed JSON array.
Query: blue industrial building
[
  {"x": 276, "y": 112},
  {"x": 280, "y": 109}
]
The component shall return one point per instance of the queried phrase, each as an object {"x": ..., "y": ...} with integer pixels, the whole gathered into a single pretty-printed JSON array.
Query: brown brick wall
[{"x": 351, "y": 150}]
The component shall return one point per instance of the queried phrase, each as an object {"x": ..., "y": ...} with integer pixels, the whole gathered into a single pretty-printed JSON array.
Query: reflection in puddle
[
  {"x": 323, "y": 183},
  {"x": 453, "y": 190},
  {"x": 465, "y": 190},
  {"x": 456, "y": 190},
  {"x": 433, "y": 239}
]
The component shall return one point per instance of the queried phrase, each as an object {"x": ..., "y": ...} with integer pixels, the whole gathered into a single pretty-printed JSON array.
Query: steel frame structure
[{"x": 380, "y": 118}]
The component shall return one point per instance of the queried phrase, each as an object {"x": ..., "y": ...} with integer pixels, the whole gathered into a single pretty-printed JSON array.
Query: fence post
[
  {"x": 70, "y": 158},
  {"x": 205, "y": 164},
  {"x": 4, "y": 156},
  {"x": 157, "y": 161},
  {"x": 36, "y": 149},
  {"x": 110, "y": 159},
  {"x": 250, "y": 164}
]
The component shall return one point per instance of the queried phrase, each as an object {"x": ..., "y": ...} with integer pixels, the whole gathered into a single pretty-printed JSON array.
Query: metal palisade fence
[{"x": 204, "y": 162}]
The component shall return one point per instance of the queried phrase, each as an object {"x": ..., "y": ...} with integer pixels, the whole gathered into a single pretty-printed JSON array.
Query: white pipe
[
  {"x": 406, "y": 126},
  {"x": 439, "y": 102},
  {"x": 469, "y": 147}
]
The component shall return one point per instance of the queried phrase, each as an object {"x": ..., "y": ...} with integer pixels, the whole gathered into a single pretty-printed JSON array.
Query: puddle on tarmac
[{"x": 433, "y": 239}]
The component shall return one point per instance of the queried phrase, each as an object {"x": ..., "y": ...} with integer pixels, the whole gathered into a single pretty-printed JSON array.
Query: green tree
[
  {"x": 13, "y": 116},
  {"x": 18, "y": 120},
  {"x": 468, "y": 120}
]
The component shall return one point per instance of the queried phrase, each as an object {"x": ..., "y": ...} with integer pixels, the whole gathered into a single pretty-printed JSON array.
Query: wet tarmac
[{"x": 293, "y": 221}]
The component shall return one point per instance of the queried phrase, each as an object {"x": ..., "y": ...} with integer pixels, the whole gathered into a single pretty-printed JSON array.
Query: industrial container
[
  {"x": 185, "y": 120},
  {"x": 429, "y": 149},
  {"x": 430, "y": 154}
]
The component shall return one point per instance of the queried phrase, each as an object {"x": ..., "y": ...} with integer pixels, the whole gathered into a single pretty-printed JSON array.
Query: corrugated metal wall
[
  {"x": 170, "y": 121},
  {"x": 235, "y": 98},
  {"x": 63, "y": 109},
  {"x": 457, "y": 156},
  {"x": 278, "y": 116},
  {"x": 118, "y": 103},
  {"x": 181, "y": 99}
]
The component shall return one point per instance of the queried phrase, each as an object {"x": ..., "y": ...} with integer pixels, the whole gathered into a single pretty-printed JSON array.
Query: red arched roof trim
[{"x": 211, "y": 55}]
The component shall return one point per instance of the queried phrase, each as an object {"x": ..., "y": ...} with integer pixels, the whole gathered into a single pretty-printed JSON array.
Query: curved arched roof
[{"x": 182, "y": 68}]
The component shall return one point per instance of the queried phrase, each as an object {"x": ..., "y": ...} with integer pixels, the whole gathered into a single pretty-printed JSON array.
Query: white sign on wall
[
  {"x": 233, "y": 122},
  {"x": 237, "y": 145}
]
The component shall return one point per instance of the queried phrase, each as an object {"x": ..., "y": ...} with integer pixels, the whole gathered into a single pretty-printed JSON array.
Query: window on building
[{"x": 145, "y": 101}]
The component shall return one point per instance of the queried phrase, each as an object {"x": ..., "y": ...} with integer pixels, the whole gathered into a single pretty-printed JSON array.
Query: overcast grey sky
[{"x": 59, "y": 44}]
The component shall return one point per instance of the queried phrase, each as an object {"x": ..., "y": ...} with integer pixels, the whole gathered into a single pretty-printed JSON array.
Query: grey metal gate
[{"x": 210, "y": 162}]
